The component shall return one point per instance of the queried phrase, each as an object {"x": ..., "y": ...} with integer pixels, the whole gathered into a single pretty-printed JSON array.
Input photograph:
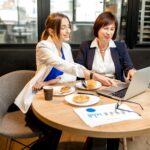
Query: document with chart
[{"x": 104, "y": 114}]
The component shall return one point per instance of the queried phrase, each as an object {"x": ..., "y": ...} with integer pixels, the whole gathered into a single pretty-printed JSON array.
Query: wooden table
[{"x": 59, "y": 114}]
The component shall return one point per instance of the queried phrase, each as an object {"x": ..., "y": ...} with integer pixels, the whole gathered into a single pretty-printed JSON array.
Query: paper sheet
[{"x": 104, "y": 114}]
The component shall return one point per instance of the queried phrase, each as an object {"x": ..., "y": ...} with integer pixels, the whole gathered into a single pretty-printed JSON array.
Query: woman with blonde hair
[{"x": 54, "y": 65}]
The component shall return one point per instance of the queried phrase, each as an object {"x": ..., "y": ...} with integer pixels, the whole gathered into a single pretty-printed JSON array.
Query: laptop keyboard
[{"x": 120, "y": 93}]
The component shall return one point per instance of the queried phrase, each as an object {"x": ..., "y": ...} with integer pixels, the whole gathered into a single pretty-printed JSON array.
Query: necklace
[
  {"x": 102, "y": 47},
  {"x": 102, "y": 51}
]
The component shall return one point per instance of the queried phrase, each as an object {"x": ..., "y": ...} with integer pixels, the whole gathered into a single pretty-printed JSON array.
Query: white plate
[
  {"x": 93, "y": 100},
  {"x": 58, "y": 93},
  {"x": 80, "y": 86}
]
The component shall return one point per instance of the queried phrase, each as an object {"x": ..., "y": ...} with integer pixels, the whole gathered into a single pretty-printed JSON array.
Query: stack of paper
[{"x": 104, "y": 114}]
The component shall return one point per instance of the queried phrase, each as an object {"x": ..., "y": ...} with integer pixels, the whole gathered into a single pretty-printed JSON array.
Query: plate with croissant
[
  {"x": 63, "y": 90},
  {"x": 88, "y": 85},
  {"x": 82, "y": 99}
]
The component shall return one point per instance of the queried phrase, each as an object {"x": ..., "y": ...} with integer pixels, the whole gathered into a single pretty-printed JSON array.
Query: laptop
[{"x": 124, "y": 91}]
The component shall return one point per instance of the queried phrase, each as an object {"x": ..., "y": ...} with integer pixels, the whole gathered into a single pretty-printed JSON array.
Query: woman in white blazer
[
  {"x": 54, "y": 65},
  {"x": 53, "y": 55}
]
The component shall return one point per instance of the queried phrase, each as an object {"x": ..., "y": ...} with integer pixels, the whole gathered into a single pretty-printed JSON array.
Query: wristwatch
[{"x": 91, "y": 75}]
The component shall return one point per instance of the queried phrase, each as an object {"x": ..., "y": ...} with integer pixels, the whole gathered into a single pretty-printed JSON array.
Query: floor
[{"x": 75, "y": 142}]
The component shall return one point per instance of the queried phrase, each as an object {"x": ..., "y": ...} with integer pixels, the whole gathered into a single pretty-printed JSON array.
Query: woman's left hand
[
  {"x": 39, "y": 85},
  {"x": 130, "y": 74}
]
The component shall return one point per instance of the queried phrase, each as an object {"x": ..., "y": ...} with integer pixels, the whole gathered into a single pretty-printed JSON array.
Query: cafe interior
[{"x": 21, "y": 25}]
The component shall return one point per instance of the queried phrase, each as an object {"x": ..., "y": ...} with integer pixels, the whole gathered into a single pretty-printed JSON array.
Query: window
[
  {"x": 83, "y": 19},
  {"x": 144, "y": 22},
  {"x": 78, "y": 12},
  {"x": 22, "y": 21},
  {"x": 18, "y": 21},
  {"x": 63, "y": 6},
  {"x": 88, "y": 13}
]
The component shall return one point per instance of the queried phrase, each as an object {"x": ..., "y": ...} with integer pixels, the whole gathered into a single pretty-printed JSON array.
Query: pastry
[
  {"x": 91, "y": 84},
  {"x": 81, "y": 98},
  {"x": 65, "y": 89}
]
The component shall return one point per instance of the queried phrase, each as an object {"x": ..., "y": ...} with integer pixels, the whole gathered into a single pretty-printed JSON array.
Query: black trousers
[
  {"x": 113, "y": 144},
  {"x": 51, "y": 136},
  {"x": 100, "y": 143}
]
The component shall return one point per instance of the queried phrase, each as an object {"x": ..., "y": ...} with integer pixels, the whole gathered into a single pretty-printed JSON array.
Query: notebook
[{"x": 124, "y": 91}]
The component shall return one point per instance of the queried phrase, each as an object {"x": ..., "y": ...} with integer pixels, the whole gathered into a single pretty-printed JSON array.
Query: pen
[{"x": 85, "y": 93}]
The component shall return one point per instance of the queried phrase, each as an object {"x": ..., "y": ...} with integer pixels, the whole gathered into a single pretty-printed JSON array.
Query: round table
[{"x": 59, "y": 114}]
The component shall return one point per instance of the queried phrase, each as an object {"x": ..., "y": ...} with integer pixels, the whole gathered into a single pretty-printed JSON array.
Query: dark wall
[
  {"x": 140, "y": 57},
  {"x": 13, "y": 59}
]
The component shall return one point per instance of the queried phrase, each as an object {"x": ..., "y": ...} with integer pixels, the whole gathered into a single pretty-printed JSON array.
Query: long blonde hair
[{"x": 53, "y": 22}]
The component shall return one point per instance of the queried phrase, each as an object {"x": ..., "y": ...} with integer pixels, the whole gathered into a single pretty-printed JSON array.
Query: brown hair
[
  {"x": 104, "y": 19},
  {"x": 53, "y": 22}
]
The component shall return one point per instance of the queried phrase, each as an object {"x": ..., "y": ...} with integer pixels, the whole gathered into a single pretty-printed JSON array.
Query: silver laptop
[{"x": 124, "y": 91}]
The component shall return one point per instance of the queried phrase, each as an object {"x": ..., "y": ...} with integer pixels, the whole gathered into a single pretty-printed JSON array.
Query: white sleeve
[
  {"x": 49, "y": 57},
  {"x": 67, "y": 78}
]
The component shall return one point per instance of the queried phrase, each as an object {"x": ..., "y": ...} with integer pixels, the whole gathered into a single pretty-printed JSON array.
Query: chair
[{"x": 13, "y": 124}]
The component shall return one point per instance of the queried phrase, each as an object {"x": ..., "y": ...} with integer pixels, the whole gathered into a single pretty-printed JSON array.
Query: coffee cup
[{"x": 48, "y": 92}]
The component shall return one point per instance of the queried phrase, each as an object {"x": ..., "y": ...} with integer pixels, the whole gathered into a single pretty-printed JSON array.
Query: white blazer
[{"x": 47, "y": 57}]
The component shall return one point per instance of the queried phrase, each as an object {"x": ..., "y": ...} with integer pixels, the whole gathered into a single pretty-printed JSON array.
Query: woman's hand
[
  {"x": 130, "y": 74},
  {"x": 39, "y": 85},
  {"x": 105, "y": 80}
]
